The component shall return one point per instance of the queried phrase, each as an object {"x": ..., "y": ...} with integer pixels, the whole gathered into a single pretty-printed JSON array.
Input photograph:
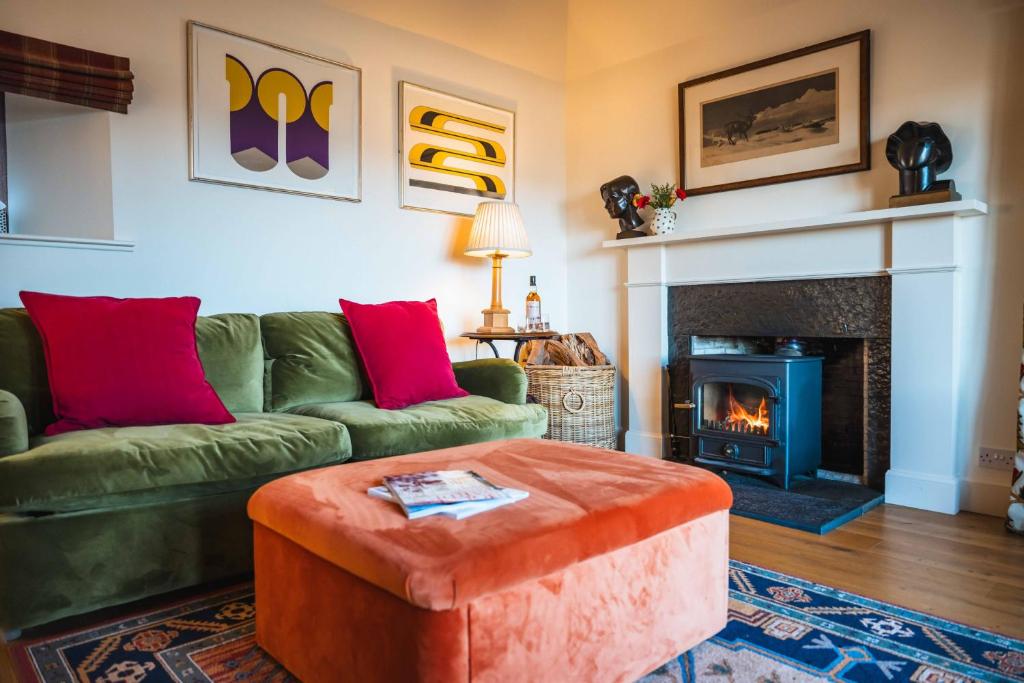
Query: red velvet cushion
[
  {"x": 403, "y": 350},
  {"x": 123, "y": 362}
]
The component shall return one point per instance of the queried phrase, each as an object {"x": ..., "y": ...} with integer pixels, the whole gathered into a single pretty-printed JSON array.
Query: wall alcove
[{"x": 56, "y": 103}]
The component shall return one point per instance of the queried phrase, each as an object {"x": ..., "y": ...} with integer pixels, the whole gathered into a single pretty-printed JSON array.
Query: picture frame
[
  {"x": 798, "y": 115},
  {"x": 268, "y": 117},
  {"x": 453, "y": 152}
]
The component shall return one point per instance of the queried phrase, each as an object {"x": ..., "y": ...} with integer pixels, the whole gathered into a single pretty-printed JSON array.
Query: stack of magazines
[{"x": 452, "y": 493}]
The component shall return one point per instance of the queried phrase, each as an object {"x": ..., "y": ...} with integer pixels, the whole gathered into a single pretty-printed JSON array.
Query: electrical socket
[{"x": 995, "y": 458}]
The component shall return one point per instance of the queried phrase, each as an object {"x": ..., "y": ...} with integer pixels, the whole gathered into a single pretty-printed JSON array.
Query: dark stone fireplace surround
[{"x": 847, "y": 320}]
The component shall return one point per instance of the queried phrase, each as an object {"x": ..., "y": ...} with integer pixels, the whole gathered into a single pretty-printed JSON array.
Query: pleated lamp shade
[{"x": 498, "y": 231}]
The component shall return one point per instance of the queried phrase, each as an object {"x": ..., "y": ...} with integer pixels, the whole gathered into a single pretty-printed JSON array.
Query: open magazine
[{"x": 453, "y": 510}]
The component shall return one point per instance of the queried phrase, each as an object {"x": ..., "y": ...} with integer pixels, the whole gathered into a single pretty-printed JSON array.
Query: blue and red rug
[{"x": 781, "y": 629}]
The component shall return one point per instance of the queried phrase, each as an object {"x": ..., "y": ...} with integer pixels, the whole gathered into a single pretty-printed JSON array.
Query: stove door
[{"x": 739, "y": 407}]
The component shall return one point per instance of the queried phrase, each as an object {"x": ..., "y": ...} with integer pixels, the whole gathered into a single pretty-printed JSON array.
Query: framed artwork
[
  {"x": 272, "y": 118},
  {"x": 453, "y": 153},
  {"x": 802, "y": 114}
]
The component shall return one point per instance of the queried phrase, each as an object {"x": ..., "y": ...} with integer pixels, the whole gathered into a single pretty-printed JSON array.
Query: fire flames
[
  {"x": 739, "y": 419},
  {"x": 758, "y": 421}
]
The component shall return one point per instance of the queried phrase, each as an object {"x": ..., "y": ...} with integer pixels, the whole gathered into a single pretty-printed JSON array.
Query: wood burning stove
[{"x": 757, "y": 414}]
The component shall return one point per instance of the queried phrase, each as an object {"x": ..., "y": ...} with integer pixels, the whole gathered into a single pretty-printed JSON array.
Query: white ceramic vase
[{"x": 664, "y": 222}]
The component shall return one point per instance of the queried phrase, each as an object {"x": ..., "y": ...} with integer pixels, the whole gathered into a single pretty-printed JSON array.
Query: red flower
[
  {"x": 680, "y": 194},
  {"x": 641, "y": 200}
]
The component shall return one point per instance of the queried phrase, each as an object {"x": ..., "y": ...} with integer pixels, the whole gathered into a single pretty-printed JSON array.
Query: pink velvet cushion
[
  {"x": 583, "y": 502},
  {"x": 123, "y": 362},
  {"x": 403, "y": 350}
]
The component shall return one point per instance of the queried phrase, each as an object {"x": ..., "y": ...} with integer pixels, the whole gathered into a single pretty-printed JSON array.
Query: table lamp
[{"x": 497, "y": 233}]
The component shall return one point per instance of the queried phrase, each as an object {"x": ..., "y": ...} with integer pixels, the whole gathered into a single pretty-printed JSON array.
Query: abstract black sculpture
[
  {"x": 618, "y": 202},
  {"x": 920, "y": 151}
]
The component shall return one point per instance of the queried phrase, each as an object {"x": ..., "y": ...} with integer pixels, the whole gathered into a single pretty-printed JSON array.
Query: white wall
[
  {"x": 947, "y": 61},
  {"x": 250, "y": 250}
]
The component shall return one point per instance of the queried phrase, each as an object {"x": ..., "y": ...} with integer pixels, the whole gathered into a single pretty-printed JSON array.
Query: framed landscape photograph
[
  {"x": 453, "y": 153},
  {"x": 272, "y": 118},
  {"x": 802, "y": 114}
]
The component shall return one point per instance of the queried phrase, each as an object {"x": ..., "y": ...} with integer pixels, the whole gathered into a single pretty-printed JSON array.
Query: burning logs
[{"x": 736, "y": 427}]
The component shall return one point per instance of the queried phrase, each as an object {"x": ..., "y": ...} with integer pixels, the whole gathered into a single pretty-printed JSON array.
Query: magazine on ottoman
[{"x": 453, "y": 493}]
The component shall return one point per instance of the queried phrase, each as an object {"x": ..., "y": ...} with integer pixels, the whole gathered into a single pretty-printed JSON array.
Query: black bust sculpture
[
  {"x": 618, "y": 202},
  {"x": 920, "y": 151}
]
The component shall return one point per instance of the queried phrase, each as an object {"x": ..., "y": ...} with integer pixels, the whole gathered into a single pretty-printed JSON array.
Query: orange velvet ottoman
[{"x": 614, "y": 565}]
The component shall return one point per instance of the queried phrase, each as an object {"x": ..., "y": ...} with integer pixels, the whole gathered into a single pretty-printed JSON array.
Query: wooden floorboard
[{"x": 964, "y": 567}]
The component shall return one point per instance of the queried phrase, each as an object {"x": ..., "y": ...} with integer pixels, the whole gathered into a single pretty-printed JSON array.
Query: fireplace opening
[
  {"x": 851, "y": 441},
  {"x": 845, "y": 321}
]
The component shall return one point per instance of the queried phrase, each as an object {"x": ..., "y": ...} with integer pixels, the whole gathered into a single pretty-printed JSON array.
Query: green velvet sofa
[{"x": 100, "y": 517}]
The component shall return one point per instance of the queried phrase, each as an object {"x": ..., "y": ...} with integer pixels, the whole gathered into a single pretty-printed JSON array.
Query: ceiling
[
  {"x": 603, "y": 33},
  {"x": 562, "y": 39},
  {"x": 528, "y": 34}
]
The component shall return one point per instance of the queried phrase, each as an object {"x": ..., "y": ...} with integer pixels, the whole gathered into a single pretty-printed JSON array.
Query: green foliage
[{"x": 663, "y": 196}]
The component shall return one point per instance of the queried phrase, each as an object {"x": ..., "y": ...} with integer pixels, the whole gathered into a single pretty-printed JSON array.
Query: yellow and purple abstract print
[{"x": 255, "y": 114}]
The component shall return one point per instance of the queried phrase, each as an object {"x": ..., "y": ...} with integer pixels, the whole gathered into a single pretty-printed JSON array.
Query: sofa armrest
[
  {"x": 498, "y": 378},
  {"x": 13, "y": 425}
]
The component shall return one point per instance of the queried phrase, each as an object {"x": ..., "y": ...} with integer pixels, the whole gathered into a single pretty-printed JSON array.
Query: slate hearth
[{"x": 846, "y": 320}]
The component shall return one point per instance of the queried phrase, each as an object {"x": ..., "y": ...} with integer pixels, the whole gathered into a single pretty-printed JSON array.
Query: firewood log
[
  {"x": 584, "y": 346},
  {"x": 575, "y": 346},
  {"x": 536, "y": 355},
  {"x": 599, "y": 357},
  {"x": 560, "y": 354}
]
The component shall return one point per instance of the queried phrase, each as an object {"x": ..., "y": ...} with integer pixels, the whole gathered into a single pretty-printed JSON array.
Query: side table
[{"x": 519, "y": 338}]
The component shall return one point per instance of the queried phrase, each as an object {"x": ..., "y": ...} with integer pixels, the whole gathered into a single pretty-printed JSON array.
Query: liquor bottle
[{"x": 533, "y": 319}]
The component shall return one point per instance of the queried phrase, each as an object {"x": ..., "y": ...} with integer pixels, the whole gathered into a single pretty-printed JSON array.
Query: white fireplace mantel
[
  {"x": 963, "y": 208},
  {"x": 921, "y": 247}
]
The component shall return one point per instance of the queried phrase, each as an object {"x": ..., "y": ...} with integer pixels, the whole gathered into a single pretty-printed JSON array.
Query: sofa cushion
[
  {"x": 231, "y": 350},
  {"x": 311, "y": 358},
  {"x": 436, "y": 424},
  {"x": 123, "y": 362},
  {"x": 129, "y": 465},
  {"x": 229, "y": 347},
  {"x": 401, "y": 373},
  {"x": 23, "y": 367}
]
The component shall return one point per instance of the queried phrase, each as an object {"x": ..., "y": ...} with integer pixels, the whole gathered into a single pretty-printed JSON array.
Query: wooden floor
[{"x": 964, "y": 567}]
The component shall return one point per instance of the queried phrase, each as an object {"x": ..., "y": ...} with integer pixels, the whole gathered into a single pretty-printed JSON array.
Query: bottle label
[{"x": 532, "y": 312}]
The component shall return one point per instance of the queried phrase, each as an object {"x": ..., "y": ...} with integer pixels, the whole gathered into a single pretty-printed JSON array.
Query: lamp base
[{"x": 495, "y": 322}]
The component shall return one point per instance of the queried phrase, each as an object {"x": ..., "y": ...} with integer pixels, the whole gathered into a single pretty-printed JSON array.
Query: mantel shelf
[
  {"x": 963, "y": 207},
  {"x": 66, "y": 242}
]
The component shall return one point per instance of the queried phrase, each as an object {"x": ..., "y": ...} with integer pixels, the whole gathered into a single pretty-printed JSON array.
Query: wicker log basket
[{"x": 573, "y": 380}]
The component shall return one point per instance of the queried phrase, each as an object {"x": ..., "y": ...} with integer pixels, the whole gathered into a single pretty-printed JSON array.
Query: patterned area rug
[{"x": 780, "y": 629}]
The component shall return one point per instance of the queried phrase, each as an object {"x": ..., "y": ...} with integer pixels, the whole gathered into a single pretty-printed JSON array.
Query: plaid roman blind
[{"x": 30, "y": 66}]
